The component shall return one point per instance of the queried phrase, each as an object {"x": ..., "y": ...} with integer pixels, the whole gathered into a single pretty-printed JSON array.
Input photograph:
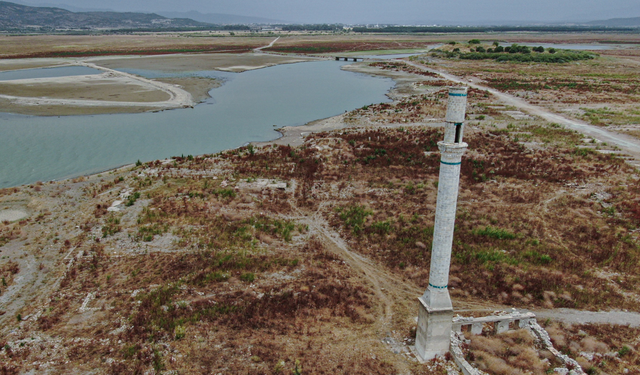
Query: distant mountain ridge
[
  {"x": 618, "y": 22},
  {"x": 62, "y": 6},
  {"x": 15, "y": 16},
  {"x": 220, "y": 18}
]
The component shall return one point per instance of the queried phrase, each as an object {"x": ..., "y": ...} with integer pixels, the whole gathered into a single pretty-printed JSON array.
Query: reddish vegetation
[
  {"x": 404, "y": 67},
  {"x": 131, "y": 51},
  {"x": 331, "y": 46}
]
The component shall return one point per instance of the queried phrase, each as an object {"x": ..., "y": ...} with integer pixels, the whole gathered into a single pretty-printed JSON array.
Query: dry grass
[
  {"x": 512, "y": 352},
  {"x": 598, "y": 348},
  {"x": 603, "y": 92},
  {"x": 86, "y": 45}
]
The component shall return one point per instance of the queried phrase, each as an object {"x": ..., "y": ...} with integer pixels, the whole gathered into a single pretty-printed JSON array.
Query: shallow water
[
  {"x": 48, "y": 72},
  {"x": 244, "y": 109}
]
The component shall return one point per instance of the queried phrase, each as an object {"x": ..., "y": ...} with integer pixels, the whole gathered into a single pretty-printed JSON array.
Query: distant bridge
[{"x": 354, "y": 59}]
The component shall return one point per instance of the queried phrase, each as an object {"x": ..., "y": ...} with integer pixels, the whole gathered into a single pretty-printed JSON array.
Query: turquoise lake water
[
  {"x": 63, "y": 71},
  {"x": 244, "y": 109}
]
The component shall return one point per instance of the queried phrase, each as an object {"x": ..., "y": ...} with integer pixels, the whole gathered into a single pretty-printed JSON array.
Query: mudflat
[
  {"x": 84, "y": 87},
  {"x": 195, "y": 62},
  {"x": 117, "y": 92}
]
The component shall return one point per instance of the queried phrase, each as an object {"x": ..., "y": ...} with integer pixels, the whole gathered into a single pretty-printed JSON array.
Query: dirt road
[
  {"x": 259, "y": 49},
  {"x": 591, "y": 317},
  {"x": 628, "y": 144}
]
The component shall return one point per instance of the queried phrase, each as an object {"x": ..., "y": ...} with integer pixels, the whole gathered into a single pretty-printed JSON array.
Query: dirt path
[
  {"x": 591, "y": 317},
  {"x": 628, "y": 144},
  {"x": 389, "y": 288},
  {"x": 259, "y": 49}
]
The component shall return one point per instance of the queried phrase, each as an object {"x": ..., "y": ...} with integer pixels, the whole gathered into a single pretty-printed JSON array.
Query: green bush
[
  {"x": 132, "y": 199},
  {"x": 225, "y": 193},
  {"x": 248, "y": 277},
  {"x": 624, "y": 351},
  {"x": 354, "y": 217},
  {"x": 497, "y": 233}
]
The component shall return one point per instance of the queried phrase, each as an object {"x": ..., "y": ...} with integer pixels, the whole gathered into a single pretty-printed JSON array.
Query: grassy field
[{"x": 87, "y": 45}]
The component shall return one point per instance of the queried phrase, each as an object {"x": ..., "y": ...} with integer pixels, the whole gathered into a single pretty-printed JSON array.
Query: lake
[{"x": 244, "y": 109}]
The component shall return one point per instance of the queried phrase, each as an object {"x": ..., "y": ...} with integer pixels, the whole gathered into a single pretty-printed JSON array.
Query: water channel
[
  {"x": 62, "y": 71},
  {"x": 247, "y": 107}
]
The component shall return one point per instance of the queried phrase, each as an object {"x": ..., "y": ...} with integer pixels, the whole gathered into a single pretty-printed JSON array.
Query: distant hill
[
  {"x": 221, "y": 19},
  {"x": 618, "y": 22},
  {"x": 20, "y": 17},
  {"x": 62, "y": 6}
]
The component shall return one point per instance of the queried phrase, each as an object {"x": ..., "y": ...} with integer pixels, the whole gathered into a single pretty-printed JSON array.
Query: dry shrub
[
  {"x": 494, "y": 365},
  {"x": 9, "y": 369},
  {"x": 584, "y": 363},
  {"x": 512, "y": 352},
  {"x": 557, "y": 336},
  {"x": 591, "y": 345},
  {"x": 528, "y": 359},
  {"x": 487, "y": 344}
]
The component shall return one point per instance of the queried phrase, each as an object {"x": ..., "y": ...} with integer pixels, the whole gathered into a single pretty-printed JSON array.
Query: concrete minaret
[{"x": 435, "y": 310}]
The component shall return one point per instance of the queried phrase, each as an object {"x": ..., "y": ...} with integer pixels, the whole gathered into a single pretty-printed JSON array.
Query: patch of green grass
[
  {"x": 248, "y": 277},
  {"x": 382, "y": 227},
  {"x": 537, "y": 258},
  {"x": 147, "y": 233},
  {"x": 497, "y": 233},
  {"x": 111, "y": 226},
  {"x": 354, "y": 217},
  {"x": 132, "y": 199},
  {"x": 281, "y": 228},
  {"x": 225, "y": 193}
]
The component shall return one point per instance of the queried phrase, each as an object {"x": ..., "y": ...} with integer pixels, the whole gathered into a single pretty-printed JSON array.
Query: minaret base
[
  {"x": 433, "y": 336},
  {"x": 437, "y": 299}
]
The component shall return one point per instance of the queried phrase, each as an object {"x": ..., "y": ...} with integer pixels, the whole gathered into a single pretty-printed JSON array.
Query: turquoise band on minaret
[
  {"x": 447, "y": 163},
  {"x": 456, "y": 94},
  {"x": 438, "y": 287}
]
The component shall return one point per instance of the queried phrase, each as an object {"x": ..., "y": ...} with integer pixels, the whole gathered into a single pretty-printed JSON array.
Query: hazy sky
[{"x": 383, "y": 11}]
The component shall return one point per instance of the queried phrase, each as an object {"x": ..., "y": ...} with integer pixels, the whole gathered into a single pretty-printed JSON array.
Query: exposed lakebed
[{"x": 244, "y": 109}]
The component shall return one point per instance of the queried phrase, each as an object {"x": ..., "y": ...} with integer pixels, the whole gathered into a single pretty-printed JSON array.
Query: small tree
[
  {"x": 499, "y": 49},
  {"x": 496, "y": 43},
  {"x": 552, "y": 50},
  {"x": 480, "y": 49},
  {"x": 474, "y": 41}
]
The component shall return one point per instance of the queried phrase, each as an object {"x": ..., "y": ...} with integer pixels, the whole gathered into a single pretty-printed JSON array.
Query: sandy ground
[
  {"x": 198, "y": 87},
  {"x": 185, "y": 63},
  {"x": 12, "y": 215},
  {"x": 16, "y": 64},
  {"x": 90, "y": 87}
]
